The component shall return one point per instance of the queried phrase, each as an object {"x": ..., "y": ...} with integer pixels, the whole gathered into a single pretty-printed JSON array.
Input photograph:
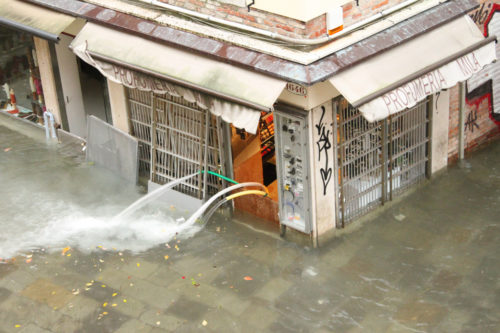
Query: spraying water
[
  {"x": 50, "y": 200},
  {"x": 150, "y": 197}
]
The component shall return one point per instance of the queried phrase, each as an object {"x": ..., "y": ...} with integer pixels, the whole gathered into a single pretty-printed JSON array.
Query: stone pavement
[{"x": 429, "y": 263}]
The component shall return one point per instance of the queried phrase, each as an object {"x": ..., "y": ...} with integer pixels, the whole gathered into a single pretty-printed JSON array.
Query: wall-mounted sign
[{"x": 296, "y": 89}]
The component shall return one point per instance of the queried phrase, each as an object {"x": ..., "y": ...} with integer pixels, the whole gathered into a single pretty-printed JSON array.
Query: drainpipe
[
  {"x": 461, "y": 120},
  {"x": 274, "y": 35}
]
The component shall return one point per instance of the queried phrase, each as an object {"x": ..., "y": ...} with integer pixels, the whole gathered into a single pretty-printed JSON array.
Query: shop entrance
[
  {"x": 378, "y": 160},
  {"x": 172, "y": 134}
]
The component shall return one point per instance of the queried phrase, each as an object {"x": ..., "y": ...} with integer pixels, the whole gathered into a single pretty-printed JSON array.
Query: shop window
[{"x": 21, "y": 93}]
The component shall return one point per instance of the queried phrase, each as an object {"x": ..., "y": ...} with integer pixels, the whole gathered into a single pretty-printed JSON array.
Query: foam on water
[
  {"x": 49, "y": 201},
  {"x": 86, "y": 232}
]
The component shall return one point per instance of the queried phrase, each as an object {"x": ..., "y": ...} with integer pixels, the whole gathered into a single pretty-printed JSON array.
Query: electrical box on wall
[{"x": 292, "y": 157}]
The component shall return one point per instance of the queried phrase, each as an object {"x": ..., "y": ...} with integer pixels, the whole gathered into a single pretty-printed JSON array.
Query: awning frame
[
  {"x": 33, "y": 31},
  {"x": 423, "y": 71}
]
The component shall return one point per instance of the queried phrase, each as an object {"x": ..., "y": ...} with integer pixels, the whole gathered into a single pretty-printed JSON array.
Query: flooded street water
[{"x": 427, "y": 263}]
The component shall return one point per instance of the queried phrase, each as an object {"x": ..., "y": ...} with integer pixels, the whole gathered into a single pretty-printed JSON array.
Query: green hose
[{"x": 220, "y": 176}]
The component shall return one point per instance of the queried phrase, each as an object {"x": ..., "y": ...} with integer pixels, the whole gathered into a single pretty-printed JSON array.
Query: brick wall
[
  {"x": 480, "y": 125},
  {"x": 316, "y": 27}
]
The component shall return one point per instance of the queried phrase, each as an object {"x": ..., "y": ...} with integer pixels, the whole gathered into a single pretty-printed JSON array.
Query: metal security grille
[
  {"x": 140, "y": 111},
  {"x": 173, "y": 140},
  {"x": 377, "y": 160}
]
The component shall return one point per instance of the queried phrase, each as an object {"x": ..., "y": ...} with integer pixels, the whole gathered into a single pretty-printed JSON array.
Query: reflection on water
[{"x": 426, "y": 264}]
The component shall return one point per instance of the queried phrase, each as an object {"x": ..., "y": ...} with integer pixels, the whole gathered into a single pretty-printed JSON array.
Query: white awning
[
  {"x": 236, "y": 94},
  {"x": 35, "y": 20},
  {"x": 403, "y": 76}
]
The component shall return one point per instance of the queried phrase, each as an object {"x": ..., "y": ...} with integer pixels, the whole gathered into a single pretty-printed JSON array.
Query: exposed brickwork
[
  {"x": 280, "y": 24},
  {"x": 480, "y": 127}
]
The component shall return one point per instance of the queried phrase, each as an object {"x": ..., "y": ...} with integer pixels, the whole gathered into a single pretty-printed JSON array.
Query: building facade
[{"x": 336, "y": 107}]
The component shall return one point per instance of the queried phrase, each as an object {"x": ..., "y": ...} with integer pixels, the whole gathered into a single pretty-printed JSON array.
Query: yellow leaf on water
[
  {"x": 138, "y": 264},
  {"x": 166, "y": 257},
  {"x": 124, "y": 301},
  {"x": 104, "y": 286},
  {"x": 114, "y": 304},
  {"x": 104, "y": 313},
  {"x": 66, "y": 249},
  {"x": 17, "y": 326},
  {"x": 114, "y": 294},
  {"x": 105, "y": 304},
  {"x": 68, "y": 255}
]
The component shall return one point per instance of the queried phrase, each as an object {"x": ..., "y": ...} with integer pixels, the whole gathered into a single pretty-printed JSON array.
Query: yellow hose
[{"x": 242, "y": 193}]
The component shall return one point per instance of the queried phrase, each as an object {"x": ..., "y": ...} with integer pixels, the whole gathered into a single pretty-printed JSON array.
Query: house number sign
[{"x": 296, "y": 89}]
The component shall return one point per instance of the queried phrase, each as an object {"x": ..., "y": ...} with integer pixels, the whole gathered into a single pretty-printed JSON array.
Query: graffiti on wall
[
  {"x": 486, "y": 83},
  {"x": 471, "y": 121},
  {"x": 480, "y": 15},
  {"x": 324, "y": 146}
]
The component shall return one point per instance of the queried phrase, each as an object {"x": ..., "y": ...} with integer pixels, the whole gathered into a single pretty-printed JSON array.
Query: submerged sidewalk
[{"x": 429, "y": 263}]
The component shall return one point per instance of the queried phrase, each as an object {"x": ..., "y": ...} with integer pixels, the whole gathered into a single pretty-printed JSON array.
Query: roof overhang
[{"x": 258, "y": 61}]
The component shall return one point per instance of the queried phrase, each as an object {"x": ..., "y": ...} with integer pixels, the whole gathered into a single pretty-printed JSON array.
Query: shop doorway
[
  {"x": 172, "y": 134},
  {"x": 378, "y": 160},
  {"x": 95, "y": 92}
]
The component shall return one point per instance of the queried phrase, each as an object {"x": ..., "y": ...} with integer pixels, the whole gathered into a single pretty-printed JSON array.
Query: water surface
[{"x": 428, "y": 263}]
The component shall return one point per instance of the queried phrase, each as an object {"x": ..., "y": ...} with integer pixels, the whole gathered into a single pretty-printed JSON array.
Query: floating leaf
[
  {"x": 103, "y": 285},
  {"x": 176, "y": 247},
  {"x": 17, "y": 326},
  {"x": 204, "y": 323},
  {"x": 138, "y": 264},
  {"x": 124, "y": 301},
  {"x": 166, "y": 257},
  {"x": 105, "y": 304},
  {"x": 28, "y": 260},
  {"x": 114, "y": 304},
  {"x": 248, "y": 278},
  {"x": 66, "y": 249},
  {"x": 7, "y": 149},
  {"x": 114, "y": 294}
]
